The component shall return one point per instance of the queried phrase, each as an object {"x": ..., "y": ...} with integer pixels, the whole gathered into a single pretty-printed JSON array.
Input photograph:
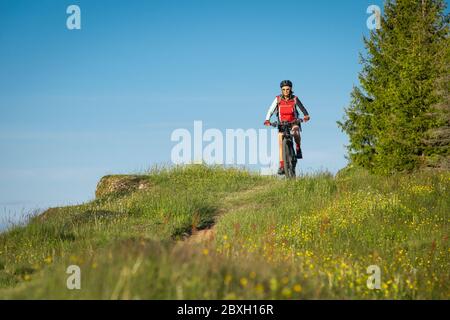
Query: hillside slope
[{"x": 199, "y": 232}]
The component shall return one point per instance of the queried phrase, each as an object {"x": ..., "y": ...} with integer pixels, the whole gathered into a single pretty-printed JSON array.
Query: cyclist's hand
[
  {"x": 306, "y": 118},
  {"x": 267, "y": 123}
]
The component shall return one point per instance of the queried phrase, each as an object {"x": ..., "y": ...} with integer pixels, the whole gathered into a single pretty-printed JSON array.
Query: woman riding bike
[{"x": 286, "y": 105}]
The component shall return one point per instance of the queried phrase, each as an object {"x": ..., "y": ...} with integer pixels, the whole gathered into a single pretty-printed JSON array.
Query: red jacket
[{"x": 286, "y": 109}]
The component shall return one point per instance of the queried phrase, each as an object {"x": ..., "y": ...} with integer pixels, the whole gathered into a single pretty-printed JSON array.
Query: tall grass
[{"x": 309, "y": 238}]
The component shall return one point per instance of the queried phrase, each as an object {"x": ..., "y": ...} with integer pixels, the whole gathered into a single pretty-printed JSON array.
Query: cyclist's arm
[
  {"x": 272, "y": 109},
  {"x": 299, "y": 105}
]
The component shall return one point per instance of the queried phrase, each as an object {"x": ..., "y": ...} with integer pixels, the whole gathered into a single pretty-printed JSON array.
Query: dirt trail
[{"x": 230, "y": 203}]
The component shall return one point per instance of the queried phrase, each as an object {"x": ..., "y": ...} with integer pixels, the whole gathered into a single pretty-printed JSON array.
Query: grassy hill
[{"x": 199, "y": 232}]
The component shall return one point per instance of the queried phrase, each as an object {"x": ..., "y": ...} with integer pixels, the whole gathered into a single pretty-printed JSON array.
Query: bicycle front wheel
[{"x": 288, "y": 158}]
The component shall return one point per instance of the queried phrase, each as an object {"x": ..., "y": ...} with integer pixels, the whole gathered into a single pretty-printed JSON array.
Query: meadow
[{"x": 268, "y": 238}]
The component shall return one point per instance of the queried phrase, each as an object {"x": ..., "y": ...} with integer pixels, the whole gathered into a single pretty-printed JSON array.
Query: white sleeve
[{"x": 272, "y": 108}]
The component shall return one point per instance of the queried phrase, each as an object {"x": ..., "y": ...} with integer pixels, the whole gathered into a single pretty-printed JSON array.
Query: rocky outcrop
[{"x": 121, "y": 184}]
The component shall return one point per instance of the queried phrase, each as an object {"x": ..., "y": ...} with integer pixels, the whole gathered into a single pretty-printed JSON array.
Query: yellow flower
[
  {"x": 287, "y": 292},
  {"x": 420, "y": 189},
  {"x": 253, "y": 275},
  {"x": 244, "y": 282},
  {"x": 259, "y": 288},
  {"x": 297, "y": 288},
  {"x": 205, "y": 252},
  {"x": 273, "y": 284},
  {"x": 228, "y": 279}
]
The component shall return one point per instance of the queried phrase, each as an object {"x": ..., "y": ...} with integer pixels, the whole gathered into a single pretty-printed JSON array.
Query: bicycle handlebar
[{"x": 276, "y": 123}]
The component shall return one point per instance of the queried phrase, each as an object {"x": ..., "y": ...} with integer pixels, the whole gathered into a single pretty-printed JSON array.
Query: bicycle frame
[{"x": 290, "y": 161}]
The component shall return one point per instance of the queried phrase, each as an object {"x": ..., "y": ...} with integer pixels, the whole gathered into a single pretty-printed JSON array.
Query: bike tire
[{"x": 288, "y": 158}]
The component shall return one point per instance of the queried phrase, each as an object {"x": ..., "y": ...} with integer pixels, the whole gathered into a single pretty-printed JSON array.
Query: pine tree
[
  {"x": 398, "y": 119},
  {"x": 437, "y": 139}
]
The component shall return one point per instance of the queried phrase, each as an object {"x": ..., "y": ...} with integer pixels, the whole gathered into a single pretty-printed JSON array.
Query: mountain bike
[{"x": 290, "y": 161}]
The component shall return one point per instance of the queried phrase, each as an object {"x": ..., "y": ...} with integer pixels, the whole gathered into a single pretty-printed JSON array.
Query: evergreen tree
[{"x": 399, "y": 119}]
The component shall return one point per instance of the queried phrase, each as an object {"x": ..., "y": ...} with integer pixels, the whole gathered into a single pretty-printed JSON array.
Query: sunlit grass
[{"x": 309, "y": 238}]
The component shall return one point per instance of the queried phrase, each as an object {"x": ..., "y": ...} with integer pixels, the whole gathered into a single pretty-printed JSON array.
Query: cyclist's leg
[
  {"x": 296, "y": 132},
  {"x": 280, "y": 144}
]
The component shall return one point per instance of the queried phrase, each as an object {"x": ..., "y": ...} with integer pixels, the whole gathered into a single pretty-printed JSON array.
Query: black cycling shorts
[{"x": 299, "y": 128}]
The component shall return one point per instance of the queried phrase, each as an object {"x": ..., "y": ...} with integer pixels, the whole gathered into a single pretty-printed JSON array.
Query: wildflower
[
  {"x": 273, "y": 284},
  {"x": 205, "y": 252},
  {"x": 297, "y": 288},
  {"x": 287, "y": 292},
  {"x": 244, "y": 282},
  {"x": 227, "y": 279},
  {"x": 421, "y": 189},
  {"x": 259, "y": 288}
]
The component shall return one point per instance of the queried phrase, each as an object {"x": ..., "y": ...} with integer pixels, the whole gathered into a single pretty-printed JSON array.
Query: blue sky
[{"x": 79, "y": 104}]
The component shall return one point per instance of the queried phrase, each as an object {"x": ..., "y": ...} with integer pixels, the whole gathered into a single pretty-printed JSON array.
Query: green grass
[{"x": 312, "y": 238}]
